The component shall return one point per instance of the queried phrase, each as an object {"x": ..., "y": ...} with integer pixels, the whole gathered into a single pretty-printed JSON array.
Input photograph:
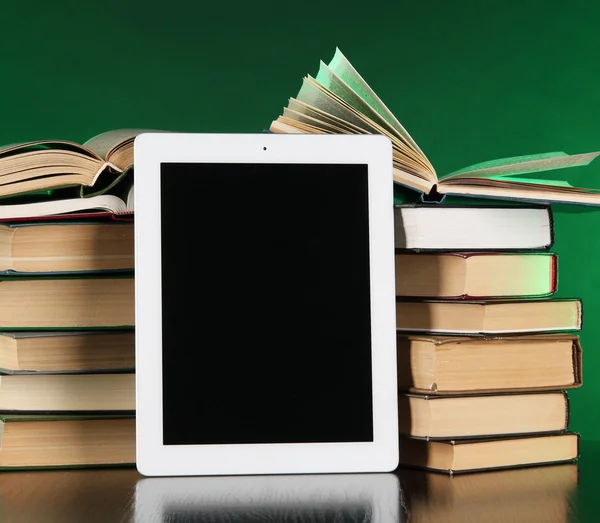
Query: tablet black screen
[{"x": 265, "y": 304}]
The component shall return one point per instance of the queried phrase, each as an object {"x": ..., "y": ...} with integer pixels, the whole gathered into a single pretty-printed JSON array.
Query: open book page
[
  {"x": 523, "y": 192},
  {"x": 325, "y": 119},
  {"x": 345, "y": 70},
  {"x": 104, "y": 143},
  {"x": 331, "y": 81},
  {"x": 316, "y": 95},
  {"x": 328, "y": 79},
  {"x": 521, "y": 183},
  {"x": 511, "y": 167},
  {"x": 279, "y": 127},
  {"x": 45, "y": 162},
  {"x": 108, "y": 181},
  {"x": 45, "y": 145},
  {"x": 104, "y": 202},
  {"x": 130, "y": 200},
  {"x": 287, "y": 126},
  {"x": 295, "y": 116}
]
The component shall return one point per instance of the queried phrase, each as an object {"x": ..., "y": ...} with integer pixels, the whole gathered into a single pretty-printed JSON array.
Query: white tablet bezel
[
  {"x": 274, "y": 498},
  {"x": 156, "y": 459}
]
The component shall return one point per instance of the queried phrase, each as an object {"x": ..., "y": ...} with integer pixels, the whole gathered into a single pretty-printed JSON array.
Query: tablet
[
  {"x": 373, "y": 498},
  {"x": 265, "y": 304}
]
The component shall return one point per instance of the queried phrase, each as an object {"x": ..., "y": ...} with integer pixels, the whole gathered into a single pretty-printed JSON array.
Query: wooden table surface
[{"x": 556, "y": 493}]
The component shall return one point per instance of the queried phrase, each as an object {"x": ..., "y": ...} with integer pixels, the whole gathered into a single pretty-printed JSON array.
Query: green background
[{"x": 470, "y": 80}]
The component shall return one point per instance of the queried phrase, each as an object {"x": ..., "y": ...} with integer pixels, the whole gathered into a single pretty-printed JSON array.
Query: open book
[
  {"x": 100, "y": 203},
  {"x": 339, "y": 101},
  {"x": 95, "y": 166}
]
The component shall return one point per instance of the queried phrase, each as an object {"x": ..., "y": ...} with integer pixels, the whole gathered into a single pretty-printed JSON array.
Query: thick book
[
  {"x": 472, "y": 228},
  {"x": 455, "y": 456},
  {"x": 339, "y": 101},
  {"x": 444, "y": 365},
  {"x": 66, "y": 247},
  {"x": 475, "y": 275},
  {"x": 480, "y": 318},
  {"x": 67, "y": 393},
  {"x": 66, "y": 302},
  {"x": 67, "y": 351},
  {"x": 467, "y": 416},
  {"x": 37, "y": 442},
  {"x": 97, "y": 165}
]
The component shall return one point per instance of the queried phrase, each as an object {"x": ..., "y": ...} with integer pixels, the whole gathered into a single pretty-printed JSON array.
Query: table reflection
[
  {"x": 538, "y": 494},
  {"x": 527, "y": 495}
]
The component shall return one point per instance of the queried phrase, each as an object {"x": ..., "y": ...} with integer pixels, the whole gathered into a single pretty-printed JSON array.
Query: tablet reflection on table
[{"x": 336, "y": 498}]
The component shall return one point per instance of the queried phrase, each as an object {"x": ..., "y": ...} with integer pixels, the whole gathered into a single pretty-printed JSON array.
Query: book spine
[
  {"x": 577, "y": 362},
  {"x": 567, "y": 410},
  {"x": 554, "y": 274}
]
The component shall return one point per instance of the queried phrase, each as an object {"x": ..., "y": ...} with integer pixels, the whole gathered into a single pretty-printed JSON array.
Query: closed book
[
  {"x": 478, "y": 318},
  {"x": 67, "y": 392},
  {"x": 475, "y": 275},
  {"x": 470, "y": 228},
  {"x": 455, "y": 456},
  {"x": 66, "y": 441},
  {"x": 444, "y": 365},
  {"x": 66, "y": 247},
  {"x": 66, "y": 303},
  {"x": 467, "y": 416},
  {"x": 66, "y": 351}
]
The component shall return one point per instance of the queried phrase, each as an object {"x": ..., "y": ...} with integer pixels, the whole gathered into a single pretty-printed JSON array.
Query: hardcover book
[
  {"x": 472, "y": 228},
  {"x": 42, "y": 393},
  {"x": 67, "y": 351},
  {"x": 480, "y": 318},
  {"x": 467, "y": 416},
  {"x": 444, "y": 365},
  {"x": 61, "y": 303},
  {"x": 475, "y": 275},
  {"x": 456, "y": 456},
  {"x": 44, "y": 441},
  {"x": 66, "y": 247}
]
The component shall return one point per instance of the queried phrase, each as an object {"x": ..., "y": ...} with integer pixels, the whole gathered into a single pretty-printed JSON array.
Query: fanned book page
[{"x": 339, "y": 101}]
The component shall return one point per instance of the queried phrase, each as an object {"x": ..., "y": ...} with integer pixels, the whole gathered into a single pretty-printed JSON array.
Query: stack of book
[
  {"x": 67, "y": 389},
  {"x": 484, "y": 354}
]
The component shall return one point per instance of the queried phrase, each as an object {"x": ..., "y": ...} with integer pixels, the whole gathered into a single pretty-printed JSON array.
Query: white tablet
[
  {"x": 373, "y": 498},
  {"x": 265, "y": 304}
]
